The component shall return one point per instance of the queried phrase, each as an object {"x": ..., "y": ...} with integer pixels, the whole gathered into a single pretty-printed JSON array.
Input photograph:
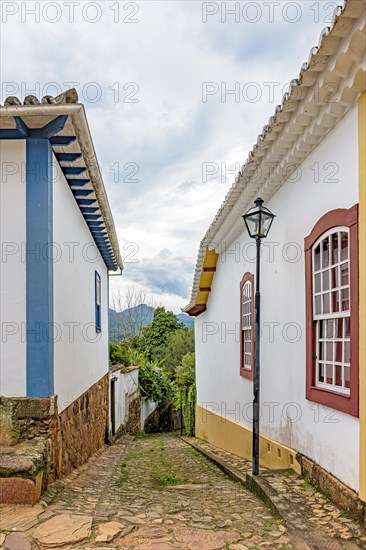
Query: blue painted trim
[
  {"x": 89, "y": 210},
  {"x": 75, "y": 182},
  {"x": 90, "y": 217},
  {"x": 62, "y": 140},
  {"x": 98, "y": 308},
  {"x": 21, "y": 126},
  {"x": 73, "y": 170},
  {"x": 39, "y": 269},
  {"x": 85, "y": 202},
  {"x": 48, "y": 132},
  {"x": 82, "y": 192},
  {"x": 10, "y": 133},
  {"x": 68, "y": 157},
  {"x": 93, "y": 223},
  {"x": 53, "y": 127}
]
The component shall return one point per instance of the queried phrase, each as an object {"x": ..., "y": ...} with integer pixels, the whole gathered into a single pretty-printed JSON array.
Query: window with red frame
[
  {"x": 247, "y": 325},
  {"x": 332, "y": 311}
]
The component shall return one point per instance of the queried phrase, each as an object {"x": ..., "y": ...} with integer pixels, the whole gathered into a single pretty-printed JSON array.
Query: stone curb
[
  {"x": 262, "y": 489},
  {"x": 279, "y": 505}
]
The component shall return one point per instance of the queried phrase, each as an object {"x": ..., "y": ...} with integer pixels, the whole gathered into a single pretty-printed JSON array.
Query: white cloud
[{"x": 170, "y": 132}]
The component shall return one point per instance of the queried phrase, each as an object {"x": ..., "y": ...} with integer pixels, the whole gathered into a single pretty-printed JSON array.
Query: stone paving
[
  {"x": 316, "y": 511},
  {"x": 154, "y": 493}
]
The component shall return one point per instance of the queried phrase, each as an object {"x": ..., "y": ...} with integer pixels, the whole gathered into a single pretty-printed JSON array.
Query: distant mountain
[
  {"x": 128, "y": 322},
  {"x": 185, "y": 319}
]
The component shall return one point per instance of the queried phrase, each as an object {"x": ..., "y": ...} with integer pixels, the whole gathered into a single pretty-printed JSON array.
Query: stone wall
[
  {"x": 29, "y": 448},
  {"x": 334, "y": 489},
  {"x": 133, "y": 424},
  {"x": 38, "y": 445},
  {"x": 84, "y": 426},
  {"x": 161, "y": 420}
]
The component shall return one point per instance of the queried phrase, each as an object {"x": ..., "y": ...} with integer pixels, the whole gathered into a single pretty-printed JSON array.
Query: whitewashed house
[
  {"x": 58, "y": 245},
  {"x": 309, "y": 166}
]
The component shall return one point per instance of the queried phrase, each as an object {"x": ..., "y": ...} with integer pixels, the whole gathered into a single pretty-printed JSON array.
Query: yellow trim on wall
[
  {"x": 207, "y": 276},
  {"x": 362, "y": 286},
  {"x": 237, "y": 439}
]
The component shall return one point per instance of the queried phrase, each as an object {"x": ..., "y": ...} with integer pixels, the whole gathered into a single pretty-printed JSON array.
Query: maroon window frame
[
  {"x": 345, "y": 403},
  {"x": 245, "y": 372}
]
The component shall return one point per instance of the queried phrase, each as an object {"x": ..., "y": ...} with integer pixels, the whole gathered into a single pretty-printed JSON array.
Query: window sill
[
  {"x": 245, "y": 373},
  {"x": 334, "y": 400}
]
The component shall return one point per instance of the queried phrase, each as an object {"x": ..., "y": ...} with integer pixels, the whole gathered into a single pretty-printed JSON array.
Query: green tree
[
  {"x": 191, "y": 410},
  {"x": 185, "y": 374},
  {"x": 185, "y": 394},
  {"x": 178, "y": 343},
  {"x": 119, "y": 353},
  {"x": 155, "y": 335}
]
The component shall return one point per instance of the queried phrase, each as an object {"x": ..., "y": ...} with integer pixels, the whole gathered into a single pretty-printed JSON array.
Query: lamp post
[{"x": 258, "y": 221}]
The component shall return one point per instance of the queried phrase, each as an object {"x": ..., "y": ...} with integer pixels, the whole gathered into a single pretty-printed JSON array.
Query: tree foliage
[
  {"x": 185, "y": 374},
  {"x": 154, "y": 383},
  {"x": 164, "y": 353},
  {"x": 155, "y": 336},
  {"x": 191, "y": 410},
  {"x": 178, "y": 343},
  {"x": 185, "y": 395}
]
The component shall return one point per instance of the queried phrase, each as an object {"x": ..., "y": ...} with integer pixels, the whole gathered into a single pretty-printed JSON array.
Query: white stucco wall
[
  {"x": 12, "y": 268},
  {"x": 148, "y": 406},
  {"x": 126, "y": 388},
  {"x": 81, "y": 354},
  {"x": 331, "y": 438}
]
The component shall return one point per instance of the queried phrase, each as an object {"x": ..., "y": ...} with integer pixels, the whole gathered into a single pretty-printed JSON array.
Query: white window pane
[
  {"x": 325, "y": 253},
  {"x": 326, "y": 280},
  {"x": 317, "y": 258},
  {"x": 344, "y": 246},
  {"x": 335, "y": 249}
]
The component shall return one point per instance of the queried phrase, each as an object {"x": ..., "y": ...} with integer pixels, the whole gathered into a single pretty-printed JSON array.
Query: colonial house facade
[
  {"x": 309, "y": 167},
  {"x": 58, "y": 246}
]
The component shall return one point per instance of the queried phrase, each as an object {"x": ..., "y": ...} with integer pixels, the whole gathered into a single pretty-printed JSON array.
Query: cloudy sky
[{"x": 155, "y": 78}]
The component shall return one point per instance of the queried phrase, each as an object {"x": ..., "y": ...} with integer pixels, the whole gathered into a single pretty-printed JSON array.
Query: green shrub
[{"x": 191, "y": 410}]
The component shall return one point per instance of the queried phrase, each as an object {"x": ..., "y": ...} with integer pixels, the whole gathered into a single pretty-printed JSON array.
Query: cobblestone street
[{"x": 154, "y": 492}]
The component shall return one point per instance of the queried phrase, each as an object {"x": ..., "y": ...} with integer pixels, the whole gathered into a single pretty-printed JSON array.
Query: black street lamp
[{"x": 258, "y": 221}]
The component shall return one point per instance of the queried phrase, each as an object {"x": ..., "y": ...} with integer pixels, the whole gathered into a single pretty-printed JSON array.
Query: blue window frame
[{"x": 98, "y": 302}]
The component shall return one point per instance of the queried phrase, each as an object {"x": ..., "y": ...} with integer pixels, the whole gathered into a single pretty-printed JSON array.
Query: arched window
[
  {"x": 332, "y": 311},
  {"x": 247, "y": 325}
]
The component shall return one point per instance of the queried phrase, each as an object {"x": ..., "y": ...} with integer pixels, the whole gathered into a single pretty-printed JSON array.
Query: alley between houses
[{"x": 156, "y": 492}]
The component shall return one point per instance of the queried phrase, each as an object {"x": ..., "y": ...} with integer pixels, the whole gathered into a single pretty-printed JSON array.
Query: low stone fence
[{"x": 39, "y": 445}]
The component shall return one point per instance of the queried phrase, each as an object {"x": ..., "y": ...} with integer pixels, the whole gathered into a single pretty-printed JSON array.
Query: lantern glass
[{"x": 258, "y": 220}]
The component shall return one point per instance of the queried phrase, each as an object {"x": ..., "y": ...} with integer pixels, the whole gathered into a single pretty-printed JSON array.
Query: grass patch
[
  {"x": 304, "y": 485},
  {"x": 167, "y": 479},
  {"x": 140, "y": 435},
  {"x": 93, "y": 534},
  {"x": 124, "y": 475}
]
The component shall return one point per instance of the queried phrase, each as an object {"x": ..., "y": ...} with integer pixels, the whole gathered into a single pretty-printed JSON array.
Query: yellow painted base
[
  {"x": 362, "y": 286},
  {"x": 237, "y": 439}
]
